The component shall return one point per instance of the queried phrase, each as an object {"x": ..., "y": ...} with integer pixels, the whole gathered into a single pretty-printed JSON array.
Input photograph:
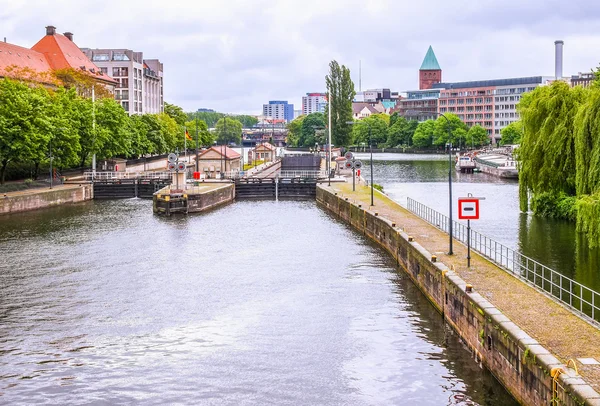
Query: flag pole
[{"x": 185, "y": 142}]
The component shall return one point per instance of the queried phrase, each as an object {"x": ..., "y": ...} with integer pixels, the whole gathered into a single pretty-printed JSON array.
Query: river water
[
  {"x": 554, "y": 243},
  {"x": 255, "y": 303}
]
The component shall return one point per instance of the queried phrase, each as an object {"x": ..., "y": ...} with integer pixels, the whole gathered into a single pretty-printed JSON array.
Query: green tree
[
  {"x": 156, "y": 142},
  {"x": 294, "y": 131},
  {"x": 205, "y": 137},
  {"x": 378, "y": 125},
  {"x": 23, "y": 123},
  {"x": 63, "y": 128},
  {"x": 228, "y": 130},
  {"x": 458, "y": 129},
  {"x": 340, "y": 93},
  {"x": 111, "y": 135},
  {"x": 546, "y": 156},
  {"x": 424, "y": 134},
  {"x": 138, "y": 135},
  {"x": 512, "y": 133},
  {"x": 310, "y": 124},
  {"x": 247, "y": 121},
  {"x": 401, "y": 131},
  {"x": 477, "y": 136},
  {"x": 176, "y": 113}
]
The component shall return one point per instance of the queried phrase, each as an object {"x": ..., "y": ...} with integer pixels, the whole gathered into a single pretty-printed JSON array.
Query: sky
[{"x": 235, "y": 55}]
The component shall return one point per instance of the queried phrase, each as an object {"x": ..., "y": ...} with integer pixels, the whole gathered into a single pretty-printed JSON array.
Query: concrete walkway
[
  {"x": 39, "y": 190},
  {"x": 560, "y": 331}
]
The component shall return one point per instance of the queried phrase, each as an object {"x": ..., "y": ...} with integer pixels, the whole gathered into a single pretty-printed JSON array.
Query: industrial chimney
[{"x": 558, "y": 59}]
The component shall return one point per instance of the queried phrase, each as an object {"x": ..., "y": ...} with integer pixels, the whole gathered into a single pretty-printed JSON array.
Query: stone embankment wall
[
  {"x": 33, "y": 200},
  {"x": 211, "y": 199},
  {"x": 518, "y": 361}
]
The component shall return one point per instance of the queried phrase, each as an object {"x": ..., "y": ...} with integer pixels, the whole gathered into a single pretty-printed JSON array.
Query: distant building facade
[
  {"x": 488, "y": 103},
  {"x": 583, "y": 79},
  {"x": 132, "y": 74},
  {"x": 314, "y": 103},
  {"x": 421, "y": 105},
  {"x": 279, "y": 110}
]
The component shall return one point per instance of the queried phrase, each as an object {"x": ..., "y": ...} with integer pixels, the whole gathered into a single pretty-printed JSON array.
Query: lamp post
[
  {"x": 197, "y": 144},
  {"x": 371, "y": 152},
  {"x": 413, "y": 112},
  {"x": 51, "y": 177}
]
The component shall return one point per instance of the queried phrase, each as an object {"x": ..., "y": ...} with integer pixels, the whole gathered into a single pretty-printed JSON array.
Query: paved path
[
  {"x": 38, "y": 190},
  {"x": 560, "y": 331}
]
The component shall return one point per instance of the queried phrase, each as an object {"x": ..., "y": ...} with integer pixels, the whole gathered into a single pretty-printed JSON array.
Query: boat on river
[
  {"x": 497, "y": 162},
  {"x": 465, "y": 163}
]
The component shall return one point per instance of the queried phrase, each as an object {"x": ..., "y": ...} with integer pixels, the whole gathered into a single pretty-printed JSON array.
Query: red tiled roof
[
  {"x": 21, "y": 58},
  {"x": 62, "y": 53},
  {"x": 222, "y": 150},
  {"x": 266, "y": 145}
]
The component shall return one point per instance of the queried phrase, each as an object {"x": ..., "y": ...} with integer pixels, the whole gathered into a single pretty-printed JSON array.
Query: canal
[
  {"x": 255, "y": 303},
  {"x": 554, "y": 243}
]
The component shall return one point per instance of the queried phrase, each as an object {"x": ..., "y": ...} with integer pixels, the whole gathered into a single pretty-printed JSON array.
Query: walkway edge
[{"x": 528, "y": 370}]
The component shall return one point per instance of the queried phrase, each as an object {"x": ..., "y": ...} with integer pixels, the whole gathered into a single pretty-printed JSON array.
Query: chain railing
[{"x": 577, "y": 297}]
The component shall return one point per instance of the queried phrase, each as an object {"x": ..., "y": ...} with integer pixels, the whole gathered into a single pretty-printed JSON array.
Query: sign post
[
  {"x": 468, "y": 209},
  {"x": 354, "y": 164}
]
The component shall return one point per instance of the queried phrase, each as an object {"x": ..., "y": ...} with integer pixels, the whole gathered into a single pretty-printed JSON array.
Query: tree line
[
  {"x": 37, "y": 122},
  {"x": 559, "y": 155},
  {"x": 390, "y": 131}
]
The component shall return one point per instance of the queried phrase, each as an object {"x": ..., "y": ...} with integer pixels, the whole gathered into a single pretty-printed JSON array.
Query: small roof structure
[
  {"x": 266, "y": 146},
  {"x": 221, "y": 151},
  {"x": 358, "y": 107},
  {"x": 430, "y": 62}
]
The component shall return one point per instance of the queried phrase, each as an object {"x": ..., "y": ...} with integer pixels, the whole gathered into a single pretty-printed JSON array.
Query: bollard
[
  {"x": 346, "y": 199},
  {"x": 376, "y": 214},
  {"x": 469, "y": 288},
  {"x": 433, "y": 258},
  {"x": 410, "y": 239},
  {"x": 359, "y": 206},
  {"x": 393, "y": 224}
]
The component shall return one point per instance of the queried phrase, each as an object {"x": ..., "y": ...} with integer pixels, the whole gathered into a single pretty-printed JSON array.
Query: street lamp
[
  {"x": 370, "y": 150},
  {"x": 415, "y": 112}
]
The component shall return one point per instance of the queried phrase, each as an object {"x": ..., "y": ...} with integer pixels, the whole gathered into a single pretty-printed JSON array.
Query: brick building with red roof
[{"x": 51, "y": 53}]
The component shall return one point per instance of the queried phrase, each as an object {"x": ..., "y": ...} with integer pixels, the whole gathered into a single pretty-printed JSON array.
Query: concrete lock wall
[
  {"x": 45, "y": 198},
  {"x": 211, "y": 199},
  {"x": 518, "y": 361}
]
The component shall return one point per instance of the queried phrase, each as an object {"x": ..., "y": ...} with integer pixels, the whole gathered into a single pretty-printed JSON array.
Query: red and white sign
[{"x": 468, "y": 209}]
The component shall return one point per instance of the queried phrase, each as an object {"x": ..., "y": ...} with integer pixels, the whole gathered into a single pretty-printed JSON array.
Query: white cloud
[{"x": 234, "y": 56}]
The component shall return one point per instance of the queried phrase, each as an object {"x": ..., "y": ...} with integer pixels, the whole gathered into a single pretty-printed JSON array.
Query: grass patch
[{"x": 250, "y": 166}]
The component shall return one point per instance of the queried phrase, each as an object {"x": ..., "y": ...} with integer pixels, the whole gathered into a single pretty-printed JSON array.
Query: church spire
[{"x": 430, "y": 62}]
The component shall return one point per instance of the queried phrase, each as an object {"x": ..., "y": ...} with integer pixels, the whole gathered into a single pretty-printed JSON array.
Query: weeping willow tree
[
  {"x": 547, "y": 159},
  {"x": 587, "y": 147}
]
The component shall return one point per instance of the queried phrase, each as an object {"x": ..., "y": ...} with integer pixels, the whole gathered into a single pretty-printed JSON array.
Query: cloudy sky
[{"x": 235, "y": 55}]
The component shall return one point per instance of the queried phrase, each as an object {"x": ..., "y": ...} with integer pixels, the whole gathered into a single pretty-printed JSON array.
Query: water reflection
[{"x": 255, "y": 303}]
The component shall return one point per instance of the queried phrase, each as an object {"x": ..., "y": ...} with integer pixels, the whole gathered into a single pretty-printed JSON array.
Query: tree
[
  {"x": 176, "y": 113},
  {"x": 172, "y": 132},
  {"x": 111, "y": 129},
  {"x": 512, "y": 133},
  {"x": 441, "y": 129},
  {"x": 228, "y": 130},
  {"x": 401, "y": 131},
  {"x": 477, "y": 136},
  {"x": 309, "y": 125},
  {"x": 23, "y": 123},
  {"x": 340, "y": 93},
  {"x": 205, "y": 137},
  {"x": 294, "y": 131},
  {"x": 360, "y": 132},
  {"x": 63, "y": 128},
  {"x": 424, "y": 134},
  {"x": 247, "y": 121}
]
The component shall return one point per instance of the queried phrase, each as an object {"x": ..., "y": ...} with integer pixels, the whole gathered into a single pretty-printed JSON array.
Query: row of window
[
  {"x": 507, "y": 115},
  {"x": 505, "y": 107}
]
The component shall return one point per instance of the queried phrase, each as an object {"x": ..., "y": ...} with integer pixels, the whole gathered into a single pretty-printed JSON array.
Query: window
[
  {"x": 125, "y": 95},
  {"x": 104, "y": 70},
  {"x": 125, "y": 71},
  {"x": 116, "y": 72},
  {"x": 100, "y": 57},
  {"x": 120, "y": 57},
  {"x": 125, "y": 82},
  {"x": 126, "y": 105}
]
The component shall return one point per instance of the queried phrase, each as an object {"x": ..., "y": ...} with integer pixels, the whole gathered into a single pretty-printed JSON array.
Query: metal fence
[
  {"x": 580, "y": 299},
  {"x": 90, "y": 176}
]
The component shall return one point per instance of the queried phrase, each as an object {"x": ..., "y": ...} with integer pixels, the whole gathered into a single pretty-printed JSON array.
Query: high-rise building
[
  {"x": 279, "y": 110},
  {"x": 133, "y": 74},
  {"x": 430, "y": 71},
  {"x": 314, "y": 103}
]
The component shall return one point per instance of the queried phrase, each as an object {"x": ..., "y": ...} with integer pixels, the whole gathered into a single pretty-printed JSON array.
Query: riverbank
[
  {"x": 518, "y": 333},
  {"x": 34, "y": 199}
]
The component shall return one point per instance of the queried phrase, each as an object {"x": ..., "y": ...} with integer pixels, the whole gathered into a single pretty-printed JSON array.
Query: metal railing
[
  {"x": 575, "y": 296},
  {"x": 91, "y": 176}
]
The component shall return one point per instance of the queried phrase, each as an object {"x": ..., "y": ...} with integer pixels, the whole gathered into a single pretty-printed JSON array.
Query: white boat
[{"x": 465, "y": 164}]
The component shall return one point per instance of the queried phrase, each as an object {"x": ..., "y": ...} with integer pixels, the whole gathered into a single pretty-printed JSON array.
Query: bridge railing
[
  {"x": 90, "y": 176},
  {"x": 580, "y": 299},
  {"x": 318, "y": 174}
]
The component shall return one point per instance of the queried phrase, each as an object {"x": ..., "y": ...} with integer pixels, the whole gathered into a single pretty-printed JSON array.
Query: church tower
[{"x": 430, "y": 71}]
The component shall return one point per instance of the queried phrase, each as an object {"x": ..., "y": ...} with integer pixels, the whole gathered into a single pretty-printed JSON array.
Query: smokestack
[
  {"x": 558, "y": 58},
  {"x": 69, "y": 35},
  {"x": 50, "y": 30}
]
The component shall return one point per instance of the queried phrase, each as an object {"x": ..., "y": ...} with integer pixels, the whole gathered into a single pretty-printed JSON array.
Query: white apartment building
[
  {"x": 140, "y": 83},
  {"x": 314, "y": 103}
]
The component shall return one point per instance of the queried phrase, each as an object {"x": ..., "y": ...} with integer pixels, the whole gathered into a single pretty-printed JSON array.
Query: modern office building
[
  {"x": 419, "y": 104},
  {"x": 488, "y": 103},
  {"x": 314, "y": 103},
  {"x": 140, "y": 83},
  {"x": 279, "y": 110}
]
